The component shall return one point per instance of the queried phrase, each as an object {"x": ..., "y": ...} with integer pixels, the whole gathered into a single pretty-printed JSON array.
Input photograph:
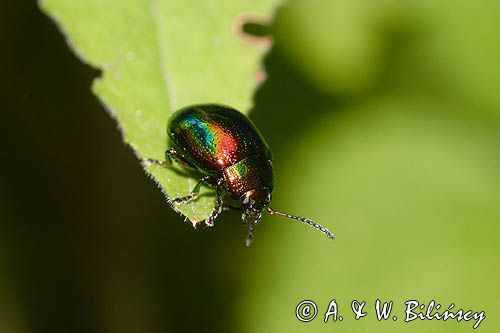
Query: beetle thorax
[{"x": 252, "y": 176}]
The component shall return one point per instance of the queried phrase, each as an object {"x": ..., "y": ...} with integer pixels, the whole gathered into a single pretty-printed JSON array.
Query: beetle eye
[{"x": 246, "y": 201}]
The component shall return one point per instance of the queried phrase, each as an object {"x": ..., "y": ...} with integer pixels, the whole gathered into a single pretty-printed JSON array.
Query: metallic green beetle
[{"x": 227, "y": 150}]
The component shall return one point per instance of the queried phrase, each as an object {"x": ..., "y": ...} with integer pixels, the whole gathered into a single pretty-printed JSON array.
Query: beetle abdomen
[{"x": 213, "y": 137}]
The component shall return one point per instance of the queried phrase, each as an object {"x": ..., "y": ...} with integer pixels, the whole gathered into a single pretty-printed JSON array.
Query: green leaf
[{"x": 158, "y": 56}]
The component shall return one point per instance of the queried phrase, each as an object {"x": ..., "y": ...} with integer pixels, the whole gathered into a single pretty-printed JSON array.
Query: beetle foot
[
  {"x": 184, "y": 200},
  {"x": 148, "y": 162},
  {"x": 211, "y": 219},
  {"x": 209, "y": 222}
]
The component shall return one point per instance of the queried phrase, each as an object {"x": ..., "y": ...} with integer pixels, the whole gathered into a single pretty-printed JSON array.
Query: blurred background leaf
[
  {"x": 392, "y": 141},
  {"x": 158, "y": 56},
  {"x": 383, "y": 120}
]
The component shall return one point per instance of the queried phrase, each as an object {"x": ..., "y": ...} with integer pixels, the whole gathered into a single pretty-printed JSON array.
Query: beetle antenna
[
  {"x": 304, "y": 220},
  {"x": 251, "y": 217},
  {"x": 250, "y": 233}
]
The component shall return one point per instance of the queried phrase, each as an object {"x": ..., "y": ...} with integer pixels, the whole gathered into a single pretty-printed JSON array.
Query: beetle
[{"x": 226, "y": 149}]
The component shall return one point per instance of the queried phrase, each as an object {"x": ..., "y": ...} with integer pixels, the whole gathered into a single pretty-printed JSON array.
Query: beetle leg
[
  {"x": 218, "y": 205},
  {"x": 174, "y": 155},
  {"x": 170, "y": 155},
  {"x": 147, "y": 162},
  {"x": 192, "y": 196}
]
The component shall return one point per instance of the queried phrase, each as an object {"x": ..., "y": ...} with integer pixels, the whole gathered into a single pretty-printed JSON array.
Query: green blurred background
[{"x": 384, "y": 119}]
